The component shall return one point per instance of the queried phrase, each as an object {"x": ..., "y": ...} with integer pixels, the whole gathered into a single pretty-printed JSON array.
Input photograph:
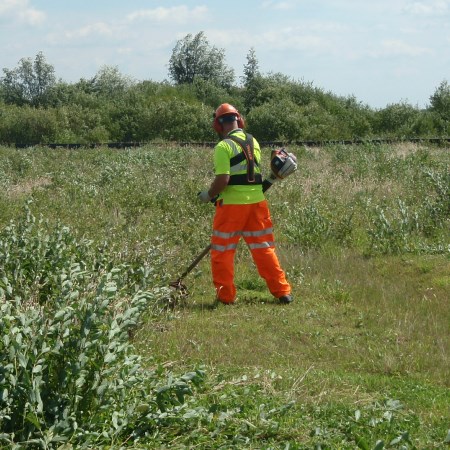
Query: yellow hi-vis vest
[{"x": 230, "y": 158}]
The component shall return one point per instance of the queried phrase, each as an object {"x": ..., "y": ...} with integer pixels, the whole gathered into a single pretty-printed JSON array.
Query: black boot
[{"x": 285, "y": 299}]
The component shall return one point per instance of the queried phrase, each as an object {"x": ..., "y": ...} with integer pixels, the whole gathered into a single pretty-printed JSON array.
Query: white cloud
[
  {"x": 125, "y": 50},
  {"x": 312, "y": 37},
  {"x": 125, "y": 29},
  {"x": 289, "y": 38},
  {"x": 429, "y": 8},
  {"x": 93, "y": 29},
  {"x": 399, "y": 48},
  {"x": 8, "y": 5},
  {"x": 176, "y": 14},
  {"x": 283, "y": 6},
  {"x": 21, "y": 11}
]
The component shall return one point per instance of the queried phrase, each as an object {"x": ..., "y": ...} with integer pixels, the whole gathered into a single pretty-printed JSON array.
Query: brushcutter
[{"x": 282, "y": 164}]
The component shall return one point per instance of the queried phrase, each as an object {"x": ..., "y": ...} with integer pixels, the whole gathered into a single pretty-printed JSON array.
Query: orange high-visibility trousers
[{"x": 253, "y": 223}]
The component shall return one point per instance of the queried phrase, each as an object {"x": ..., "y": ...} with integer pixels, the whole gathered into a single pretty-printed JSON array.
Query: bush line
[{"x": 119, "y": 145}]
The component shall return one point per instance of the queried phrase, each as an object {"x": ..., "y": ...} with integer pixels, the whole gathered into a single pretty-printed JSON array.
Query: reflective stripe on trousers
[{"x": 253, "y": 224}]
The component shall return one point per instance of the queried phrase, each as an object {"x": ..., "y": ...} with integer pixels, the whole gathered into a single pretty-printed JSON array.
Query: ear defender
[{"x": 216, "y": 124}]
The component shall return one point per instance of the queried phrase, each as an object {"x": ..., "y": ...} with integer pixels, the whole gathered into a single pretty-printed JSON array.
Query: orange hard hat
[{"x": 224, "y": 111}]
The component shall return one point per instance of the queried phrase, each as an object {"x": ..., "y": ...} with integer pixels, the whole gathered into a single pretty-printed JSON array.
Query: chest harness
[{"x": 244, "y": 160}]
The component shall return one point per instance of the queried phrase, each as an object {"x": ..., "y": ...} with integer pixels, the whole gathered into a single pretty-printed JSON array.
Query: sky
[{"x": 379, "y": 51}]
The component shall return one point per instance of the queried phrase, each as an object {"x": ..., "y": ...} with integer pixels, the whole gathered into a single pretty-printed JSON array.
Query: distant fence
[{"x": 314, "y": 143}]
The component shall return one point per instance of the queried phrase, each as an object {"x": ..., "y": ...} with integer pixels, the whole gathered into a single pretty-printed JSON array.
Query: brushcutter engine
[{"x": 282, "y": 164}]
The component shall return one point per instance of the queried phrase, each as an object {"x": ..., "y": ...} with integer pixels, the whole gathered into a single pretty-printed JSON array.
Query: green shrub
[
  {"x": 176, "y": 120},
  {"x": 276, "y": 120},
  {"x": 27, "y": 125},
  {"x": 396, "y": 120},
  {"x": 68, "y": 372},
  {"x": 309, "y": 225}
]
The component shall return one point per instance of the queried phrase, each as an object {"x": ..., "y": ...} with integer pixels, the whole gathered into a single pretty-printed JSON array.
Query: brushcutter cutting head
[
  {"x": 179, "y": 286},
  {"x": 178, "y": 295}
]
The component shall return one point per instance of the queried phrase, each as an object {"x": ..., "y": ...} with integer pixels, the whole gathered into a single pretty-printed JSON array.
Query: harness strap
[
  {"x": 248, "y": 154},
  {"x": 242, "y": 179}
]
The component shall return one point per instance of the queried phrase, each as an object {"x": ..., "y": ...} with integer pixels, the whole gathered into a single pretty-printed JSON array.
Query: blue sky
[{"x": 380, "y": 51}]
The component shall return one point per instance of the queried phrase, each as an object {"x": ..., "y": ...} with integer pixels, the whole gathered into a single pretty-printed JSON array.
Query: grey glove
[{"x": 204, "y": 197}]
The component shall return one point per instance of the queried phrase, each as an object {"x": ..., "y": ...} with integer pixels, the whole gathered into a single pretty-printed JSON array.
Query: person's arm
[
  {"x": 222, "y": 169},
  {"x": 217, "y": 186},
  {"x": 219, "y": 183}
]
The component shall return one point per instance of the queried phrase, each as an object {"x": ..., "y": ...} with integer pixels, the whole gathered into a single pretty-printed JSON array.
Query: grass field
[{"x": 359, "y": 360}]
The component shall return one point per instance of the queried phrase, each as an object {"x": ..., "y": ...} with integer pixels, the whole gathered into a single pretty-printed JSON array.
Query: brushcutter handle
[{"x": 266, "y": 185}]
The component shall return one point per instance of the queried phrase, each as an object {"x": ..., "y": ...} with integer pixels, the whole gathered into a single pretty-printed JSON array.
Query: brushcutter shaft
[{"x": 203, "y": 253}]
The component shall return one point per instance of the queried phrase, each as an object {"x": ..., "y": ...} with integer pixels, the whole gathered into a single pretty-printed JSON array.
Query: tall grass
[{"x": 90, "y": 239}]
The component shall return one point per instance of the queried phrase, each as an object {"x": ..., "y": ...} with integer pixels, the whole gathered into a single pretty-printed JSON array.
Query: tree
[
  {"x": 396, "y": 119},
  {"x": 110, "y": 82},
  {"x": 253, "y": 81},
  {"x": 251, "y": 69},
  {"x": 193, "y": 57},
  {"x": 30, "y": 83},
  {"x": 440, "y": 101}
]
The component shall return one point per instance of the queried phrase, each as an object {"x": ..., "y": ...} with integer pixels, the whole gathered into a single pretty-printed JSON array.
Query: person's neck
[{"x": 233, "y": 130}]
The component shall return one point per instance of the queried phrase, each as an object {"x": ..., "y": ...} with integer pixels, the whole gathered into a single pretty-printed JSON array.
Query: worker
[{"x": 241, "y": 208}]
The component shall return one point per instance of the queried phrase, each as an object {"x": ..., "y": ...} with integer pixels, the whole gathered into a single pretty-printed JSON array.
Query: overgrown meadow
[{"x": 97, "y": 351}]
